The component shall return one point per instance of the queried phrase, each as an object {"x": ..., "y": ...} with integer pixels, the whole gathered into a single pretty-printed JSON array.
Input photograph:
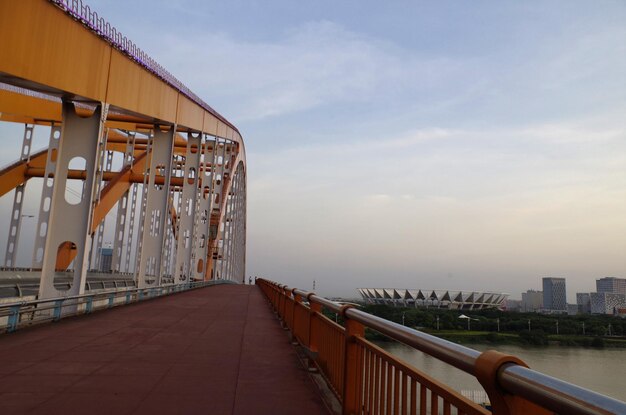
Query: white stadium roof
[{"x": 454, "y": 300}]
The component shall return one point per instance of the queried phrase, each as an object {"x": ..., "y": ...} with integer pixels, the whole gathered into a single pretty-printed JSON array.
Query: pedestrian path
[{"x": 215, "y": 350}]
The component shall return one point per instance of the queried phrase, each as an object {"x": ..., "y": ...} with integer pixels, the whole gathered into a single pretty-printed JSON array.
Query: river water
[{"x": 601, "y": 370}]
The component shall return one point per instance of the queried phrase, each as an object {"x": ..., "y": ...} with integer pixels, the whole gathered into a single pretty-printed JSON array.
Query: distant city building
[
  {"x": 572, "y": 309},
  {"x": 554, "y": 294},
  {"x": 607, "y": 303},
  {"x": 611, "y": 285},
  {"x": 106, "y": 259},
  {"x": 532, "y": 300},
  {"x": 513, "y": 305},
  {"x": 583, "y": 302},
  {"x": 453, "y": 300}
]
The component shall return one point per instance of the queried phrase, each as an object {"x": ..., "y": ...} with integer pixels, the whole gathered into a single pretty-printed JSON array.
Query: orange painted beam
[
  {"x": 106, "y": 176},
  {"x": 65, "y": 255},
  {"x": 115, "y": 189},
  {"x": 20, "y": 171},
  {"x": 174, "y": 217},
  {"x": 56, "y": 54},
  {"x": 15, "y": 174},
  {"x": 49, "y": 48}
]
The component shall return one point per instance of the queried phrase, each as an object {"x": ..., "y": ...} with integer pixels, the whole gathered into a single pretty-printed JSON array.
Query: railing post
[
  {"x": 283, "y": 302},
  {"x": 315, "y": 309},
  {"x": 352, "y": 367},
  {"x": 276, "y": 298},
  {"x": 487, "y": 366},
  {"x": 58, "y": 305},
  {"x": 14, "y": 318},
  {"x": 297, "y": 299}
]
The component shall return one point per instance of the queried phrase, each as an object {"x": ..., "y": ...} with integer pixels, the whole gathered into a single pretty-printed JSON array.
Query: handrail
[
  {"x": 454, "y": 354},
  {"x": 502, "y": 376},
  {"x": 556, "y": 394}
]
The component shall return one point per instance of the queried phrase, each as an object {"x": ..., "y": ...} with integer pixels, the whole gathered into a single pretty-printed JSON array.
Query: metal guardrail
[
  {"x": 21, "y": 289},
  {"x": 371, "y": 381},
  {"x": 24, "y": 313}
]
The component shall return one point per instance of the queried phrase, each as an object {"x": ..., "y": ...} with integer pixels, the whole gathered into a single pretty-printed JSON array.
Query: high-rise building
[
  {"x": 554, "y": 294},
  {"x": 583, "y": 301},
  {"x": 106, "y": 257},
  {"x": 532, "y": 300},
  {"x": 611, "y": 285},
  {"x": 607, "y": 303}
]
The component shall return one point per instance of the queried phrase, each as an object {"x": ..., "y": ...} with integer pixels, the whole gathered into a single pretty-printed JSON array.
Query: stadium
[{"x": 452, "y": 300}]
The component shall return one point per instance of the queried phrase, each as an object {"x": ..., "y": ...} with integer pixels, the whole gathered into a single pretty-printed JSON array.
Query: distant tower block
[
  {"x": 554, "y": 294},
  {"x": 106, "y": 259}
]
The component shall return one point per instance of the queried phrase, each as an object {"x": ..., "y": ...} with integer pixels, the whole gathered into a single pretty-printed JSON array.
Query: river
[{"x": 601, "y": 370}]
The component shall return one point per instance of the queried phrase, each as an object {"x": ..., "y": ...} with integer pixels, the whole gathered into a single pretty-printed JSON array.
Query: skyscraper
[
  {"x": 554, "y": 294},
  {"x": 583, "y": 301},
  {"x": 611, "y": 285},
  {"x": 532, "y": 300},
  {"x": 106, "y": 256}
]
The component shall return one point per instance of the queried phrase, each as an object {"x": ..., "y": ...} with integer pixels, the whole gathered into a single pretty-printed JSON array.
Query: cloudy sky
[{"x": 440, "y": 145}]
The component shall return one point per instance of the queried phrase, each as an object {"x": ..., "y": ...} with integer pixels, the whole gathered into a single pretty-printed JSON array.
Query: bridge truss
[{"x": 132, "y": 152}]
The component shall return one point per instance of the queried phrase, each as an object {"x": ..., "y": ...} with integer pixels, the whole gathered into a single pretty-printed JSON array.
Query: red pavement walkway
[{"x": 215, "y": 350}]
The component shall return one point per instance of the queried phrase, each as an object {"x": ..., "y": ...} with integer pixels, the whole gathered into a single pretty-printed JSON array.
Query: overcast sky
[{"x": 435, "y": 145}]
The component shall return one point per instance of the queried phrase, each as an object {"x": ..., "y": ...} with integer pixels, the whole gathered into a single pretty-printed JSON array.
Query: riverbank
[
  {"x": 493, "y": 326},
  {"x": 537, "y": 338}
]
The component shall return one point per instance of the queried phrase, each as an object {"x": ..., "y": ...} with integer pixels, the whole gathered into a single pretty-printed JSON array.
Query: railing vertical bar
[
  {"x": 434, "y": 403},
  {"x": 336, "y": 362},
  {"x": 368, "y": 406},
  {"x": 405, "y": 391},
  {"x": 383, "y": 385},
  {"x": 377, "y": 382},
  {"x": 389, "y": 387},
  {"x": 360, "y": 379},
  {"x": 396, "y": 392},
  {"x": 413, "y": 396},
  {"x": 423, "y": 401},
  {"x": 370, "y": 387}
]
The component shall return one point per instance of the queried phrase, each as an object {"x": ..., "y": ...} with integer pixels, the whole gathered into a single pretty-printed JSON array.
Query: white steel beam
[
  {"x": 156, "y": 209},
  {"x": 80, "y": 143},
  {"x": 10, "y": 257},
  {"x": 187, "y": 209},
  {"x": 46, "y": 197},
  {"x": 122, "y": 210}
]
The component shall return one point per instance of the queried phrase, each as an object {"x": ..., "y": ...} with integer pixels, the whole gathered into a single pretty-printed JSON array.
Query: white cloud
[{"x": 316, "y": 64}]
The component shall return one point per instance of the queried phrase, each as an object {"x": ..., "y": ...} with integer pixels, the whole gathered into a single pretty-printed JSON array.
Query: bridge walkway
[{"x": 217, "y": 350}]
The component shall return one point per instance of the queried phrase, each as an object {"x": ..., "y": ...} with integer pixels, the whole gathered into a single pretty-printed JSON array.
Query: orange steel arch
[{"x": 93, "y": 70}]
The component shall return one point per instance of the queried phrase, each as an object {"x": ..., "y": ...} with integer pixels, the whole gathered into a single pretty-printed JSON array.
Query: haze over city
[{"x": 446, "y": 145}]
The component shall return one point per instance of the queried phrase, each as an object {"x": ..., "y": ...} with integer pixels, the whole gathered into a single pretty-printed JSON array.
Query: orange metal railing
[{"x": 368, "y": 380}]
